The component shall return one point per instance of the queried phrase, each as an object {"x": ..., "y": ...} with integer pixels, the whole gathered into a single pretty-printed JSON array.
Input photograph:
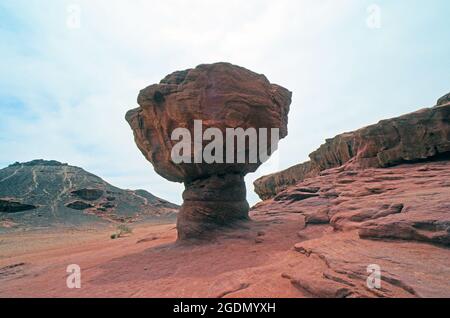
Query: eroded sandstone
[
  {"x": 406, "y": 202},
  {"x": 222, "y": 96},
  {"x": 421, "y": 135}
]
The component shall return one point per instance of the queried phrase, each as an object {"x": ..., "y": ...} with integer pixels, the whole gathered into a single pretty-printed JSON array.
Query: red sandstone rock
[
  {"x": 379, "y": 216},
  {"x": 406, "y": 202},
  {"x": 416, "y": 136},
  {"x": 223, "y": 96}
]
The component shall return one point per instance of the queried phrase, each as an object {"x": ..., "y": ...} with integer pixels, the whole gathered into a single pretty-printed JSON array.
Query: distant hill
[{"x": 45, "y": 193}]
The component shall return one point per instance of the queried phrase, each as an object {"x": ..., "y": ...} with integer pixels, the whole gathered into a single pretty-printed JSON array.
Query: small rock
[
  {"x": 259, "y": 240},
  {"x": 299, "y": 248}
]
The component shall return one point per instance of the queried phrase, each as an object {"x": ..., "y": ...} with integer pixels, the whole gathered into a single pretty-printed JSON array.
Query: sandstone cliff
[{"x": 420, "y": 135}]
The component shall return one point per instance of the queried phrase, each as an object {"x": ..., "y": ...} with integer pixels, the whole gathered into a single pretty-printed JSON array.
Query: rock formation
[
  {"x": 223, "y": 96},
  {"x": 43, "y": 193},
  {"x": 11, "y": 206},
  {"x": 412, "y": 137},
  {"x": 444, "y": 100},
  {"x": 396, "y": 217},
  {"x": 378, "y": 196}
]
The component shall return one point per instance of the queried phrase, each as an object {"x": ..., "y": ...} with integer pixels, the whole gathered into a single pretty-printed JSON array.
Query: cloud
[{"x": 64, "y": 91}]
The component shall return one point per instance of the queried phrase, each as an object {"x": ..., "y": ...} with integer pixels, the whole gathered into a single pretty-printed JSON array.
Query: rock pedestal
[{"x": 216, "y": 201}]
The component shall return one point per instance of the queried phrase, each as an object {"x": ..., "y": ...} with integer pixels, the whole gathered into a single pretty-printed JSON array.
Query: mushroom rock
[{"x": 222, "y": 96}]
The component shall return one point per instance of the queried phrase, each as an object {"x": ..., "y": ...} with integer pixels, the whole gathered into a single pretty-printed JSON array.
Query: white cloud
[{"x": 78, "y": 83}]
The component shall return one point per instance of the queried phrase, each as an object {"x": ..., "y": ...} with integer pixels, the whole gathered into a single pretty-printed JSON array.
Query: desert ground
[
  {"x": 146, "y": 263},
  {"x": 288, "y": 249}
]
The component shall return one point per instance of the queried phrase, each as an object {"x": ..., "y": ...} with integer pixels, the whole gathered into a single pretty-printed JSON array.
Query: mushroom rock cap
[{"x": 223, "y": 96}]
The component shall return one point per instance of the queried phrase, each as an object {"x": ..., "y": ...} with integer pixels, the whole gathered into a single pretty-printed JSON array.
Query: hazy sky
[{"x": 67, "y": 79}]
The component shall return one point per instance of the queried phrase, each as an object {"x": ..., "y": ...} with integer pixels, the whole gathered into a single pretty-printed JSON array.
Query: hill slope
[{"x": 43, "y": 193}]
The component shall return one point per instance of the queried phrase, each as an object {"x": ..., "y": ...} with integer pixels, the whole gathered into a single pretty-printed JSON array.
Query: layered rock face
[
  {"x": 375, "y": 196},
  {"x": 222, "y": 96},
  {"x": 397, "y": 218},
  {"x": 412, "y": 137},
  {"x": 406, "y": 202}
]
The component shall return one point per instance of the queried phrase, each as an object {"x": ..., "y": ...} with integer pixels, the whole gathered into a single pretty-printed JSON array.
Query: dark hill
[{"x": 43, "y": 193}]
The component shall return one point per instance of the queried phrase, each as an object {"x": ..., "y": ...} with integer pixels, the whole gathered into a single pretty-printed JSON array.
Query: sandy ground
[
  {"x": 257, "y": 260},
  {"x": 147, "y": 263},
  {"x": 280, "y": 253},
  {"x": 261, "y": 259}
]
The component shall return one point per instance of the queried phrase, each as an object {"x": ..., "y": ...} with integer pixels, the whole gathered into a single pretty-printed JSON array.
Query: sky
[{"x": 69, "y": 71}]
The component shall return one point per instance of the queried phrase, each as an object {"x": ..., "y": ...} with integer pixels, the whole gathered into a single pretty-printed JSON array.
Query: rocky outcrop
[
  {"x": 10, "y": 206},
  {"x": 444, "y": 100},
  {"x": 420, "y": 135},
  {"x": 45, "y": 193},
  {"x": 362, "y": 218},
  {"x": 268, "y": 186},
  {"x": 406, "y": 202},
  {"x": 223, "y": 96},
  {"x": 88, "y": 194},
  {"x": 369, "y": 198},
  {"x": 79, "y": 205}
]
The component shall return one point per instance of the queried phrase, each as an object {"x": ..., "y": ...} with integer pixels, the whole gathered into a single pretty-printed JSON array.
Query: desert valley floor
[{"x": 298, "y": 244}]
